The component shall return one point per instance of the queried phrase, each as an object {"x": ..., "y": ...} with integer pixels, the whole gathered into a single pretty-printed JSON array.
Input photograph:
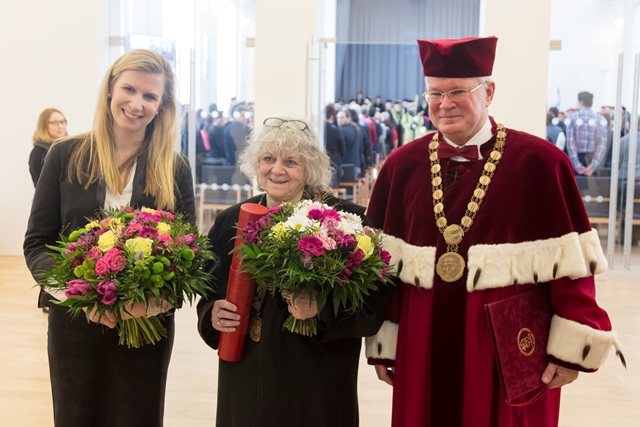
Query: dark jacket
[
  {"x": 216, "y": 141},
  {"x": 36, "y": 159},
  {"x": 334, "y": 144},
  {"x": 288, "y": 379}
]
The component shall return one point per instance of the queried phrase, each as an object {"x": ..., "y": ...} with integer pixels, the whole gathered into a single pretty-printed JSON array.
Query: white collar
[{"x": 483, "y": 135}]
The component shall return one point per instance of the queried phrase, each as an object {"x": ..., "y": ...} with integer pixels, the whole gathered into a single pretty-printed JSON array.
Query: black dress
[
  {"x": 288, "y": 379},
  {"x": 94, "y": 380}
]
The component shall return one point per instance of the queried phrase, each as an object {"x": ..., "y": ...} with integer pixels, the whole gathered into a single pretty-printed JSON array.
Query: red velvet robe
[{"x": 531, "y": 227}]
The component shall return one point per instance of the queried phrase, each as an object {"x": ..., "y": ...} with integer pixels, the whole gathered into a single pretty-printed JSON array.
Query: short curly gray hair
[{"x": 289, "y": 137}]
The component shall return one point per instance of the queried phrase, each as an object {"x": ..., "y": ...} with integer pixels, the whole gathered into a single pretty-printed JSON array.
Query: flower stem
[
  {"x": 307, "y": 327},
  {"x": 140, "y": 331}
]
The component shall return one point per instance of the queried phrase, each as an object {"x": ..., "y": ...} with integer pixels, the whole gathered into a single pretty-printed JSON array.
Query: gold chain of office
[{"x": 450, "y": 266}]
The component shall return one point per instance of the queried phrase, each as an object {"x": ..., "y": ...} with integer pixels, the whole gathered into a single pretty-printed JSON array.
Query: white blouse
[{"x": 115, "y": 200}]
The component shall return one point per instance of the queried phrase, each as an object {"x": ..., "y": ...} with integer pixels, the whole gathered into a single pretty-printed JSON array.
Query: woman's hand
[
  {"x": 133, "y": 311},
  {"x": 556, "y": 376},
  {"x": 301, "y": 307},
  {"x": 224, "y": 317},
  {"x": 108, "y": 318}
]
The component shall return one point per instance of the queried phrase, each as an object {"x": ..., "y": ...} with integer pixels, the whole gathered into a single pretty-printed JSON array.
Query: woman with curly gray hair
[{"x": 287, "y": 379}]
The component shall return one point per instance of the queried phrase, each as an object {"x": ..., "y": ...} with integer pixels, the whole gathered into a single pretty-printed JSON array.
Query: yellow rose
[
  {"x": 139, "y": 244},
  {"x": 365, "y": 243},
  {"x": 107, "y": 240},
  {"x": 148, "y": 210},
  {"x": 163, "y": 227}
]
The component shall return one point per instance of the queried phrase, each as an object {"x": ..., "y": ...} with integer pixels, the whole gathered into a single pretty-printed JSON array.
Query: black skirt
[{"x": 97, "y": 382}]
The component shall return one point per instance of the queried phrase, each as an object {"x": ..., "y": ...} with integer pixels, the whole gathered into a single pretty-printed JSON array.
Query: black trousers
[{"x": 97, "y": 382}]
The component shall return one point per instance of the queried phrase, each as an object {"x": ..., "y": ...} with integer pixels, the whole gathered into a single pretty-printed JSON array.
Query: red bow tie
[{"x": 446, "y": 151}]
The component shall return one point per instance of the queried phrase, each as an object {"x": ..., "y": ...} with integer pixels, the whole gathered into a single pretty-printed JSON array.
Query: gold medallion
[
  {"x": 450, "y": 266},
  {"x": 453, "y": 234},
  {"x": 255, "y": 328}
]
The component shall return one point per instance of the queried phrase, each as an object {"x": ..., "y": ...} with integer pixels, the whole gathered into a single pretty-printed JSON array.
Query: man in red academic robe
[{"x": 475, "y": 213}]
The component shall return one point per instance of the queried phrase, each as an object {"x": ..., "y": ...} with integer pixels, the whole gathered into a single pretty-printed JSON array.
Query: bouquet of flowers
[
  {"x": 310, "y": 246},
  {"x": 131, "y": 256}
]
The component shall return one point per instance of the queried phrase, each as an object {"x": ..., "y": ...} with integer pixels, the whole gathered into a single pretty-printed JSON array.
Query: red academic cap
[{"x": 468, "y": 57}]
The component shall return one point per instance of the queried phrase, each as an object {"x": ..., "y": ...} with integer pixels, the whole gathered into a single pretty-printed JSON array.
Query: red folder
[
  {"x": 240, "y": 289},
  {"x": 520, "y": 327}
]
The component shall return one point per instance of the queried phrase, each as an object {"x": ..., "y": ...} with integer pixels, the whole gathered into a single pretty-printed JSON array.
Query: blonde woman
[
  {"x": 52, "y": 125},
  {"x": 128, "y": 158}
]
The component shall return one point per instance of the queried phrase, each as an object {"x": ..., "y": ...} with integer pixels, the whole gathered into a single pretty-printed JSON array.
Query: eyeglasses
[
  {"x": 276, "y": 122},
  {"x": 456, "y": 95},
  {"x": 58, "y": 122}
]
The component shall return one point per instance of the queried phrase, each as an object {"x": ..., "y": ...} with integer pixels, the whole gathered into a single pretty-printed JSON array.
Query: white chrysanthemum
[
  {"x": 299, "y": 222},
  {"x": 350, "y": 223}
]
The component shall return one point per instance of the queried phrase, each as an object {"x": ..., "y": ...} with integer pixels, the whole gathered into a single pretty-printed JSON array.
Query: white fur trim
[
  {"x": 529, "y": 262},
  {"x": 567, "y": 340},
  {"x": 417, "y": 261},
  {"x": 383, "y": 344}
]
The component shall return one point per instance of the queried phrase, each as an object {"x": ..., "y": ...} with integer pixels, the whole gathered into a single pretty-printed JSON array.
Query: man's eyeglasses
[
  {"x": 456, "y": 95},
  {"x": 58, "y": 122},
  {"x": 276, "y": 122}
]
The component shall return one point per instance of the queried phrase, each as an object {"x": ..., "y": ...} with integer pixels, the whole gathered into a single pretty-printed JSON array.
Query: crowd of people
[{"x": 426, "y": 335}]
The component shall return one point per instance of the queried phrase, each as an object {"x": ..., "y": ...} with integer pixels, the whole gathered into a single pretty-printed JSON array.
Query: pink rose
[
  {"x": 94, "y": 253},
  {"x": 116, "y": 261},
  {"x": 102, "y": 266},
  {"x": 165, "y": 238}
]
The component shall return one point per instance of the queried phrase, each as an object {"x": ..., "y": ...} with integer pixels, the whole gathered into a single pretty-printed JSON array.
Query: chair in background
[
  {"x": 595, "y": 192},
  {"x": 222, "y": 187}
]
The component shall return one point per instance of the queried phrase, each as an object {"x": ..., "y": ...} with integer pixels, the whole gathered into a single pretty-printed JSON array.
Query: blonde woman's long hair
[
  {"x": 94, "y": 159},
  {"x": 42, "y": 128}
]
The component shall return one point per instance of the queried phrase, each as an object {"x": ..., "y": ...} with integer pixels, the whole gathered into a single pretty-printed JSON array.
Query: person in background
[
  {"x": 334, "y": 144},
  {"x": 554, "y": 133},
  {"x": 468, "y": 231},
  {"x": 236, "y": 134},
  {"x": 286, "y": 379},
  {"x": 128, "y": 158},
  {"x": 52, "y": 125},
  {"x": 586, "y": 137},
  {"x": 216, "y": 138}
]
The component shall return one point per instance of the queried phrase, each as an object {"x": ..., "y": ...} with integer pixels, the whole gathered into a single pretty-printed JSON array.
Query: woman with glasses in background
[
  {"x": 52, "y": 125},
  {"x": 286, "y": 379}
]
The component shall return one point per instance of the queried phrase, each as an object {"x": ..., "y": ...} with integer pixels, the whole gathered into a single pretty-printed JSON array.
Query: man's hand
[
  {"x": 556, "y": 376},
  {"x": 385, "y": 374}
]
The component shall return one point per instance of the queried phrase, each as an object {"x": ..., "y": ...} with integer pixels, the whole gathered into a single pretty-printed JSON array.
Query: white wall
[
  {"x": 281, "y": 56},
  {"x": 520, "y": 69},
  {"x": 50, "y": 52}
]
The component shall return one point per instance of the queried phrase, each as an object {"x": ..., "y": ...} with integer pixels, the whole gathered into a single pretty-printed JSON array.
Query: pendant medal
[
  {"x": 255, "y": 328},
  {"x": 450, "y": 266}
]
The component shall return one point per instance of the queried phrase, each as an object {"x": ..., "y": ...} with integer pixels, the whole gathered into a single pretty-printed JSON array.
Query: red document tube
[{"x": 240, "y": 290}]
